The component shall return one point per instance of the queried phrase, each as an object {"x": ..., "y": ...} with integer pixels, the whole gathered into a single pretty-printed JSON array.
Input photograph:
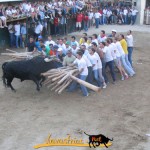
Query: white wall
[{"x": 140, "y": 7}]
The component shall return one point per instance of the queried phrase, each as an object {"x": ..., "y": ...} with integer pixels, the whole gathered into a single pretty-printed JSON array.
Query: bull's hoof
[
  {"x": 14, "y": 90},
  {"x": 38, "y": 89}
]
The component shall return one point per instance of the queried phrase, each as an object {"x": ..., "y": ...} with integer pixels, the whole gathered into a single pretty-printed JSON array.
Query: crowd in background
[
  {"x": 62, "y": 15},
  {"x": 92, "y": 55}
]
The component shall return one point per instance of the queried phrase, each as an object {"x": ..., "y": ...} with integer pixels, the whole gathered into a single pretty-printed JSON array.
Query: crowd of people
[
  {"x": 59, "y": 11},
  {"x": 92, "y": 55}
]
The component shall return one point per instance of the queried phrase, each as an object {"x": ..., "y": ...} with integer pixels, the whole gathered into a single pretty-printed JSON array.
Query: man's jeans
[
  {"x": 126, "y": 67},
  {"x": 18, "y": 39},
  {"x": 90, "y": 75},
  {"x": 133, "y": 19},
  {"x": 130, "y": 50},
  {"x": 73, "y": 86},
  {"x": 11, "y": 39},
  {"x": 96, "y": 77},
  {"x": 111, "y": 67},
  {"x": 97, "y": 22}
]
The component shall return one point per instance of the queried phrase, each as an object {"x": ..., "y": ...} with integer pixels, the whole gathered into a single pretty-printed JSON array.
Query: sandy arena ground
[{"x": 121, "y": 111}]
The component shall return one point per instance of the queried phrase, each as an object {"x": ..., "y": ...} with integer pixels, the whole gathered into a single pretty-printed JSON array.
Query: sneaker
[
  {"x": 87, "y": 95},
  {"x": 104, "y": 86},
  {"x": 122, "y": 78}
]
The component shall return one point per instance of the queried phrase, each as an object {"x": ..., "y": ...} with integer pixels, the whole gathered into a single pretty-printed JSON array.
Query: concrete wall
[{"x": 140, "y": 6}]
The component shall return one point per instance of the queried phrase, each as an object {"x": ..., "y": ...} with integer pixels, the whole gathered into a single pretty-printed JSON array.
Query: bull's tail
[
  {"x": 3, "y": 77},
  {"x": 86, "y": 134}
]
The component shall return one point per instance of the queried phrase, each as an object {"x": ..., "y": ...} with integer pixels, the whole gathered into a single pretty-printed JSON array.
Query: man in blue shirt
[{"x": 37, "y": 44}]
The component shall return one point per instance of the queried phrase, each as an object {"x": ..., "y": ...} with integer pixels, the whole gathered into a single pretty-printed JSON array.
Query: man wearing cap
[
  {"x": 60, "y": 54},
  {"x": 67, "y": 46},
  {"x": 113, "y": 35},
  {"x": 54, "y": 50},
  {"x": 69, "y": 58}
]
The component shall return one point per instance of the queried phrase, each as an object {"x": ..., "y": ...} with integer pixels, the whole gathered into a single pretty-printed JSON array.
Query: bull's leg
[
  {"x": 4, "y": 81},
  {"x": 10, "y": 85},
  {"x": 42, "y": 80},
  {"x": 36, "y": 82},
  {"x": 105, "y": 145},
  {"x": 89, "y": 144},
  {"x": 93, "y": 144}
]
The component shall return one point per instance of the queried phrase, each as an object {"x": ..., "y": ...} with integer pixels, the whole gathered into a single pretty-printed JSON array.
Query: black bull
[
  {"x": 27, "y": 70},
  {"x": 98, "y": 139}
]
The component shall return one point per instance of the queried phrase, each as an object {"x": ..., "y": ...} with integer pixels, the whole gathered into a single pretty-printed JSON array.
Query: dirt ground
[{"x": 121, "y": 111}]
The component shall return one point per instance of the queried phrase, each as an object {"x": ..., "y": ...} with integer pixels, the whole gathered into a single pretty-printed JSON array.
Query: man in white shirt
[
  {"x": 94, "y": 39},
  {"x": 109, "y": 60},
  {"x": 102, "y": 37},
  {"x": 50, "y": 41},
  {"x": 109, "y": 14},
  {"x": 129, "y": 39},
  {"x": 38, "y": 29},
  {"x": 97, "y": 16},
  {"x": 104, "y": 15},
  {"x": 83, "y": 73},
  {"x": 91, "y": 15},
  {"x": 134, "y": 15},
  {"x": 17, "y": 34},
  {"x": 125, "y": 15},
  {"x": 74, "y": 49},
  {"x": 89, "y": 65},
  {"x": 62, "y": 45}
]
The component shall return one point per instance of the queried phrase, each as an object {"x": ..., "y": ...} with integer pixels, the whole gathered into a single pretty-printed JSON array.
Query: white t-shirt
[
  {"x": 91, "y": 14},
  {"x": 99, "y": 62},
  {"x": 74, "y": 51},
  {"x": 134, "y": 12},
  {"x": 102, "y": 39},
  {"x": 116, "y": 52},
  {"x": 111, "y": 46},
  {"x": 88, "y": 63},
  {"x": 120, "y": 49},
  {"x": 125, "y": 12},
  {"x": 104, "y": 11},
  {"x": 14, "y": 11},
  {"x": 38, "y": 29},
  {"x": 17, "y": 29},
  {"x": 96, "y": 41},
  {"x": 129, "y": 40},
  {"x": 108, "y": 54},
  {"x": 8, "y": 12},
  {"x": 93, "y": 61},
  {"x": 47, "y": 43},
  {"x": 63, "y": 46},
  {"x": 86, "y": 45},
  {"x": 97, "y": 15},
  {"x": 109, "y": 13},
  {"x": 82, "y": 64}
]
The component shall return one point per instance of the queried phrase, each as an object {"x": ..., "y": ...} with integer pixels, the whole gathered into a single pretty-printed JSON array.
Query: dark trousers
[
  {"x": 90, "y": 75},
  {"x": 12, "y": 39},
  {"x": 110, "y": 64}
]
